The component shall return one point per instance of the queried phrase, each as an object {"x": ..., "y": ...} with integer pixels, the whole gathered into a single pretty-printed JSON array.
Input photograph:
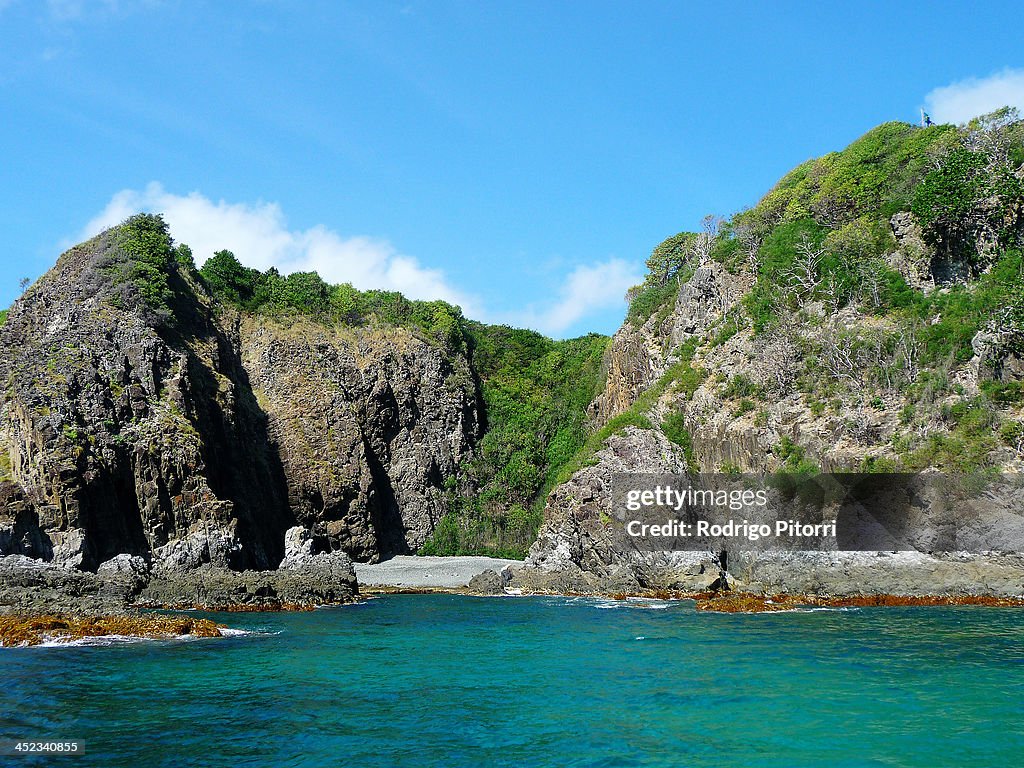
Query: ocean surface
[{"x": 447, "y": 680}]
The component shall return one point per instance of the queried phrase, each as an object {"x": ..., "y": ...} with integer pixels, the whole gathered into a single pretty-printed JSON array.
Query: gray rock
[
  {"x": 487, "y": 583},
  {"x": 34, "y": 585},
  {"x": 704, "y": 299},
  {"x": 124, "y": 565},
  {"x": 70, "y": 548},
  {"x": 371, "y": 422},
  {"x": 123, "y": 577},
  {"x": 298, "y": 546},
  {"x": 326, "y": 578},
  {"x": 587, "y": 550},
  {"x": 913, "y": 259},
  {"x": 896, "y": 573},
  {"x": 323, "y": 579},
  {"x": 214, "y": 547},
  {"x": 995, "y": 357}
]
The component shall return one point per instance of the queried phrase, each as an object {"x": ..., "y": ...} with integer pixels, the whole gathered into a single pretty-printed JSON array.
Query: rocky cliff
[
  {"x": 367, "y": 422},
  {"x": 140, "y": 418},
  {"x": 818, "y": 331}
]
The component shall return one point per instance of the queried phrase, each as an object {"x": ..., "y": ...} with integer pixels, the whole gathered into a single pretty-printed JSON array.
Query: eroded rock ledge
[{"x": 305, "y": 581}]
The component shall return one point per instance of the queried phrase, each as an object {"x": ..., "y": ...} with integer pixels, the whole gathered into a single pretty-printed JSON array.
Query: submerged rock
[{"x": 20, "y": 629}]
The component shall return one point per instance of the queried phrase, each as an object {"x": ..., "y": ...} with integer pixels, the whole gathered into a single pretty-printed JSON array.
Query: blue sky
[{"x": 519, "y": 158}]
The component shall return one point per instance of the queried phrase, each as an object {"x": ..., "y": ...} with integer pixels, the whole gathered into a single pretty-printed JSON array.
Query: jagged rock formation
[
  {"x": 195, "y": 436},
  {"x": 639, "y": 355},
  {"x": 635, "y": 360},
  {"x": 99, "y": 420},
  {"x": 579, "y": 549}
]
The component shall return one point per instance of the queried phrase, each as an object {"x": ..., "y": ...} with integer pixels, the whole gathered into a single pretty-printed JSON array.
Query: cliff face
[
  {"x": 580, "y": 548},
  {"x": 819, "y": 331},
  {"x": 368, "y": 423},
  {"x": 187, "y": 435},
  {"x": 641, "y": 353}
]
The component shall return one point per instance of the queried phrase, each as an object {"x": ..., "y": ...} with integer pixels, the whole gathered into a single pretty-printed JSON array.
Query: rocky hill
[
  {"x": 194, "y": 418},
  {"x": 141, "y": 419},
  {"x": 867, "y": 315}
]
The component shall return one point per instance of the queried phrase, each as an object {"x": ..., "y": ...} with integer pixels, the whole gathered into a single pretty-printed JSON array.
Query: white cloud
[
  {"x": 966, "y": 99},
  {"x": 258, "y": 235},
  {"x": 588, "y": 290}
]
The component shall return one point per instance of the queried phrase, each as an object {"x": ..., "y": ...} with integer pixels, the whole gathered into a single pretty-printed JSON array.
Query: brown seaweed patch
[
  {"x": 738, "y": 602},
  {"x": 22, "y": 629}
]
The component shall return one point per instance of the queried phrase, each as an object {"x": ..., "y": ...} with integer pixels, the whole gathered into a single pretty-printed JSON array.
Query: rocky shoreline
[
  {"x": 306, "y": 581},
  {"x": 40, "y": 602},
  {"x": 33, "y": 586}
]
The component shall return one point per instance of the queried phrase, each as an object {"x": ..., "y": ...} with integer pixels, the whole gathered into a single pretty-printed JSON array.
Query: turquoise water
[{"x": 445, "y": 680}]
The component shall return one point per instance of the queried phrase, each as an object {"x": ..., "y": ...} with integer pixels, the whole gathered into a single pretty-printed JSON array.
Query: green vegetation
[
  {"x": 306, "y": 294},
  {"x": 674, "y": 427},
  {"x": 746, "y": 406},
  {"x": 3, "y": 317},
  {"x": 875, "y": 175},
  {"x": 740, "y": 387},
  {"x": 965, "y": 448},
  {"x": 1004, "y": 393},
  {"x": 5, "y": 466},
  {"x": 976, "y": 192},
  {"x": 535, "y": 392},
  {"x": 141, "y": 267},
  {"x": 793, "y": 458},
  {"x": 946, "y": 321},
  {"x": 1012, "y": 434},
  {"x": 669, "y": 265}
]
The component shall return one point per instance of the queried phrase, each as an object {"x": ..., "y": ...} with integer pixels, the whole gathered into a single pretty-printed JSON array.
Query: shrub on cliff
[
  {"x": 139, "y": 261},
  {"x": 308, "y": 295},
  {"x": 228, "y": 279},
  {"x": 669, "y": 264},
  {"x": 874, "y": 176},
  {"x": 973, "y": 201}
]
